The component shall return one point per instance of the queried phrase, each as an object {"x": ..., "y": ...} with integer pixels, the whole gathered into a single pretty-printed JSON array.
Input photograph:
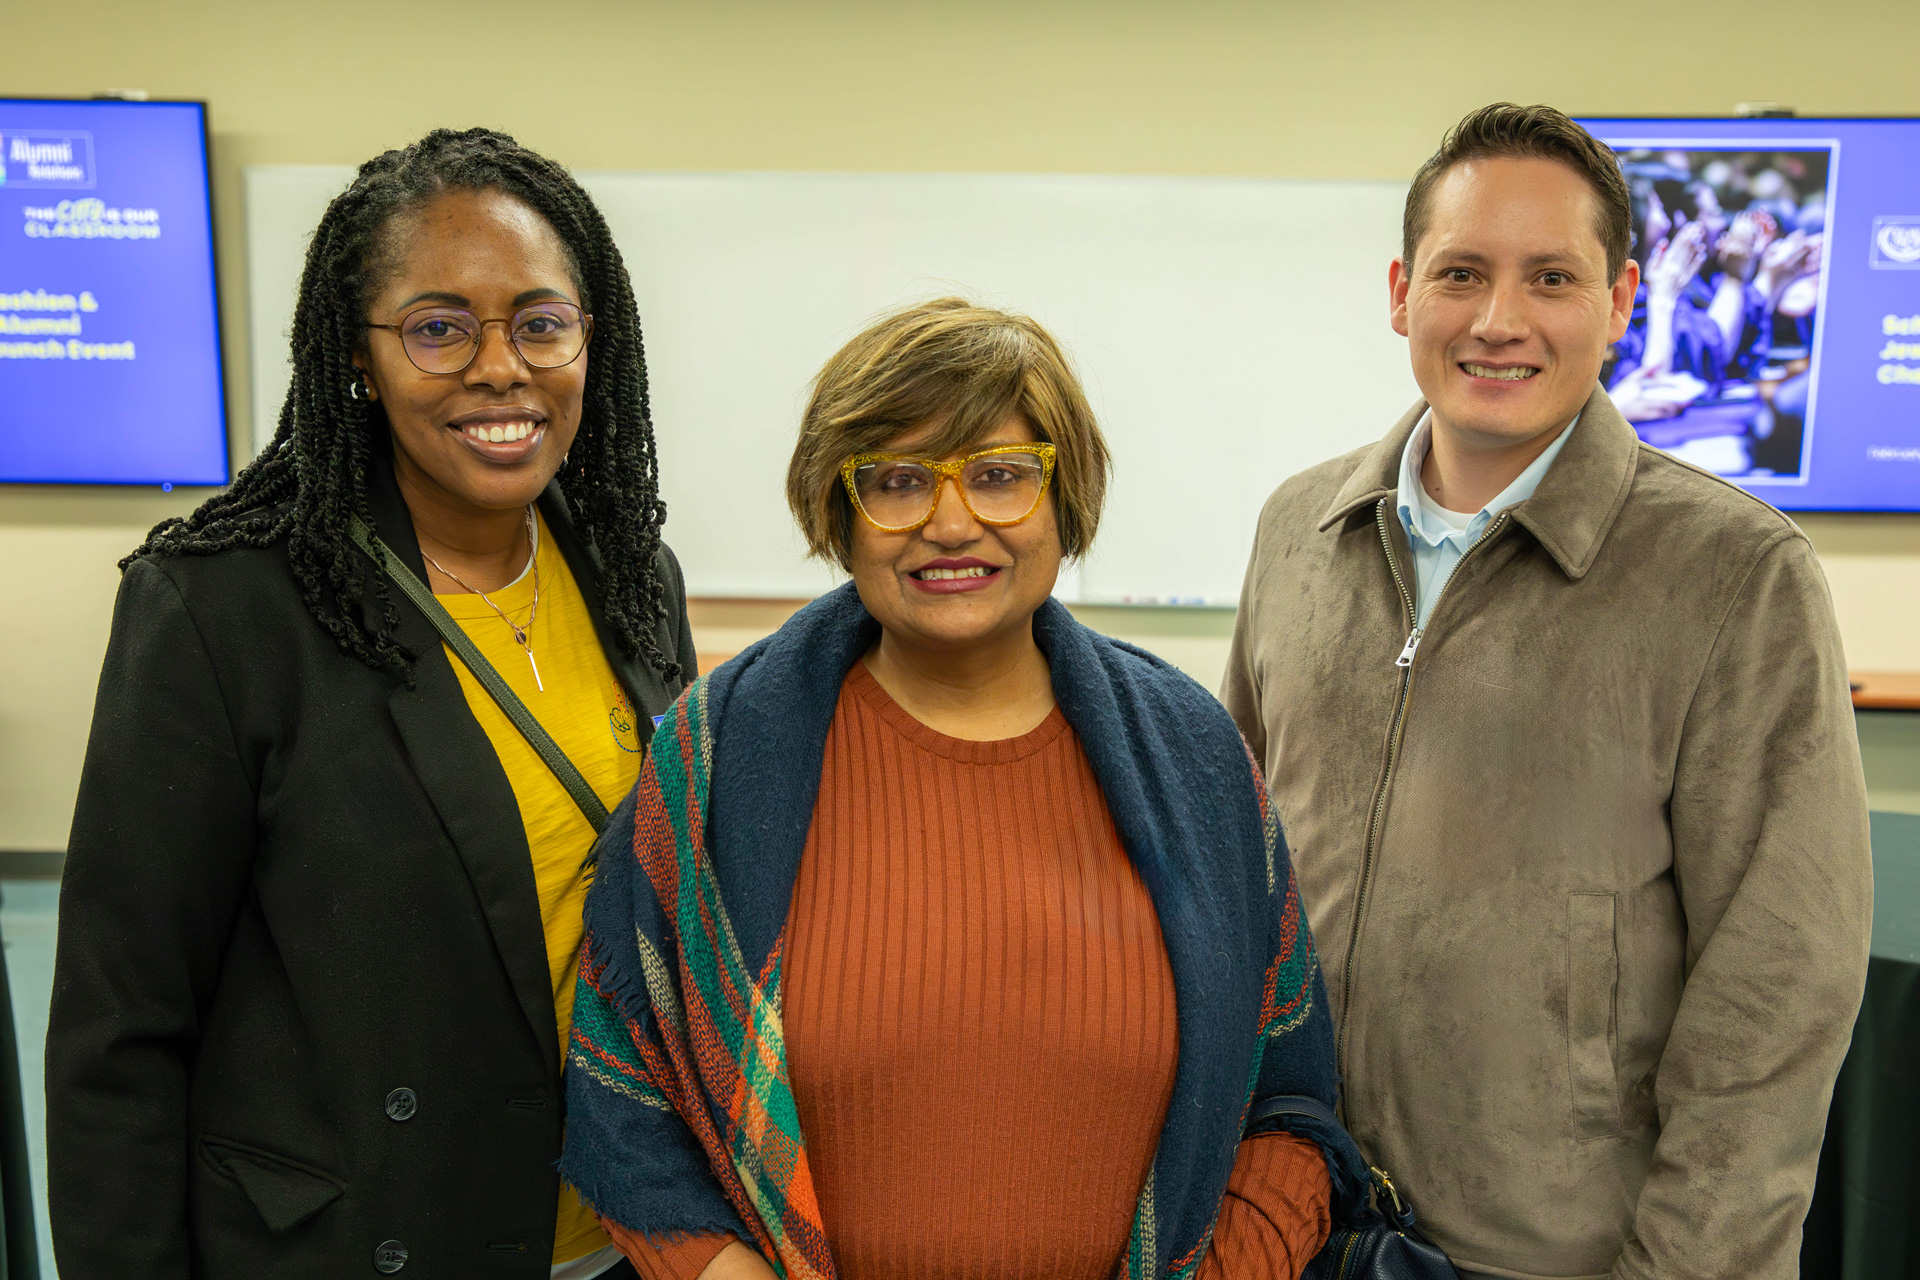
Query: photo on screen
[{"x": 1716, "y": 366}]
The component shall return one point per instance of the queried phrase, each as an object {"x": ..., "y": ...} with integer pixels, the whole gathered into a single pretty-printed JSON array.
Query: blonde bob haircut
[{"x": 963, "y": 369}]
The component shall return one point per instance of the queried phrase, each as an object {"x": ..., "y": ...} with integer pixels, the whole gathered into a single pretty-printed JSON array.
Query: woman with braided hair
[{"x": 360, "y": 719}]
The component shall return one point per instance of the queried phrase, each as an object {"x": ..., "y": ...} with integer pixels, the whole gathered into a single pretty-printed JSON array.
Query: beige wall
[{"x": 1275, "y": 89}]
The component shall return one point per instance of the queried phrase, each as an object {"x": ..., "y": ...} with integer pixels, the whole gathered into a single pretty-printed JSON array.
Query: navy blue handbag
[{"x": 1382, "y": 1242}]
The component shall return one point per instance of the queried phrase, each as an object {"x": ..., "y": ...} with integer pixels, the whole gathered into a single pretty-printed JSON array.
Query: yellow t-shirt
[{"x": 585, "y": 710}]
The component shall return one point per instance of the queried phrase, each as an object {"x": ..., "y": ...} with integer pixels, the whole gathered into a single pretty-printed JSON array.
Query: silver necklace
[{"x": 520, "y": 633}]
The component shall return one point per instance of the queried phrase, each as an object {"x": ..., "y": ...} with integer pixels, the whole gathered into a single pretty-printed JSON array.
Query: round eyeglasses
[
  {"x": 548, "y": 335},
  {"x": 899, "y": 492}
]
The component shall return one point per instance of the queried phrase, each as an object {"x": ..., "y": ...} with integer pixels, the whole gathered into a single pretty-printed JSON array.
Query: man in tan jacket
[{"x": 1569, "y": 775}]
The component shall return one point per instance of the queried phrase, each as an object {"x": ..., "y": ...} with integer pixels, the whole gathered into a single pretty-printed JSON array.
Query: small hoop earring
[{"x": 357, "y": 390}]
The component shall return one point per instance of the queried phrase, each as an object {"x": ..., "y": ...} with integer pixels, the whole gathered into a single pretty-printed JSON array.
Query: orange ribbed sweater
[{"x": 980, "y": 1021}]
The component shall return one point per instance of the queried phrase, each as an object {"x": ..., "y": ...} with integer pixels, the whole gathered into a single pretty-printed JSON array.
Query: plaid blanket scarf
[{"x": 681, "y": 1116}]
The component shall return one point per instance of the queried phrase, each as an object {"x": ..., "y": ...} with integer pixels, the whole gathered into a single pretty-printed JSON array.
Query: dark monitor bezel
[{"x": 216, "y": 283}]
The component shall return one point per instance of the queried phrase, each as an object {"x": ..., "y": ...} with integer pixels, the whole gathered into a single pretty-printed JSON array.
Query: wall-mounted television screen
[
  {"x": 1776, "y": 336},
  {"x": 109, "y": 325}
]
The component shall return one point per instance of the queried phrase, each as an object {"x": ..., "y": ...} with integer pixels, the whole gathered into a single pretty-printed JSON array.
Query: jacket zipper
[{"x": 1405, "y": 664}]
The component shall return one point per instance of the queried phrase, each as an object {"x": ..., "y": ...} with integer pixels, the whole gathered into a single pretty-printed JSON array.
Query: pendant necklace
[{"x": 520, "y": 633}]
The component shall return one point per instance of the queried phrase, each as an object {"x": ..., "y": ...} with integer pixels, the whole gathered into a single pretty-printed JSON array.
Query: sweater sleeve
[
  {"x": 681, "y": 1258},
  {"x": 1276, "y": 1213}
]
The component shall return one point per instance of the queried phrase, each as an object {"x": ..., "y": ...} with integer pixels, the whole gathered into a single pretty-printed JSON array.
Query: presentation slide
[
  {"x": 1776, "y": 336},
  {"x": 109, "y": 327}
]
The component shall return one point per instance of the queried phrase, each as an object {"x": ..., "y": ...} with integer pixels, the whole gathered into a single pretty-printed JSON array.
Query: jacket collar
[
  {"x": 456, "y": 766},
  {"x": 1378, "y": 474},
  {"x": 388, "y": 509},
  {"x": 1569, "y": 514},
  {"x": 646, "y": 690},
  {"x": 455, "y": 763}
]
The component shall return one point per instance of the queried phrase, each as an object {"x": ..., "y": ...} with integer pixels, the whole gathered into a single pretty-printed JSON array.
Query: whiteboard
[{"x": 1230, "y": 332}]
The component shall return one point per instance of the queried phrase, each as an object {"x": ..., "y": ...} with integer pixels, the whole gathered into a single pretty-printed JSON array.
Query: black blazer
[{"x": 301, "y": 1007}]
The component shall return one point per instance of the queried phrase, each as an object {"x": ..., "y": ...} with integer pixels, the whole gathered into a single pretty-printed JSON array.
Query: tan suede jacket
[{"x": 1588, "y": 871}]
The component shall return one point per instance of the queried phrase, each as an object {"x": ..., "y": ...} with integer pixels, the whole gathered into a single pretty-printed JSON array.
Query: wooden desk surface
[{"x": 1886, "y": 690}]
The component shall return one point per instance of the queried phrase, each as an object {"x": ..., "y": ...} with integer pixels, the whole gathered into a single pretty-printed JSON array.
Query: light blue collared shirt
[{"x": 1440, "y": 537}]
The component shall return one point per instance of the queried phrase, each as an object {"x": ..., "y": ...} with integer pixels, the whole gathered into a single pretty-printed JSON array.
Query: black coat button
[
  {"x": 401, "y": 1104},
  {"x": 389, "y": 1257}
]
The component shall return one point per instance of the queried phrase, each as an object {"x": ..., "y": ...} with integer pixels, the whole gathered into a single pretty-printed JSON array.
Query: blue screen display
[
  {"x": 1776, "y": 337},
  {"x": 109, "y": 327}
]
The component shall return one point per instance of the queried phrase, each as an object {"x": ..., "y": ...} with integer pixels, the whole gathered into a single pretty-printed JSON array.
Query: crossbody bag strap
[{"x": 458, "y": 641}]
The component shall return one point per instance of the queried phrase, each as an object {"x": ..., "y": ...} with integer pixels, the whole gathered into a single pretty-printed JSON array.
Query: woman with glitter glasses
[
  {"x": 322, "y": 900},
  {"x": 943, "y": 936}
]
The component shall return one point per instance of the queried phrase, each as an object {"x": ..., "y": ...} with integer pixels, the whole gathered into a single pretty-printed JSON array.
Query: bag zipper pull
[{"x": 1413, "y": 642}]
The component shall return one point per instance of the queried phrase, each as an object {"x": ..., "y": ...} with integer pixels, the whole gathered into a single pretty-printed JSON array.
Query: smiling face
[
  {"x": 491, "y": 436},
  {"x": 1507, "y": 308},
  {"x": 955, "y": 583}
]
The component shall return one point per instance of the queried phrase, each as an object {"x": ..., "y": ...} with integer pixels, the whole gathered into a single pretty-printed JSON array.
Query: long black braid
[{"x": 313, "y": 475}]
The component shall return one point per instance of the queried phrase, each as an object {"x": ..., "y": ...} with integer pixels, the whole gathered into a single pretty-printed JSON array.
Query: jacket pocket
[
  {"x": 1593, "y": 976},
  {"x": 285, "y": 1191}
]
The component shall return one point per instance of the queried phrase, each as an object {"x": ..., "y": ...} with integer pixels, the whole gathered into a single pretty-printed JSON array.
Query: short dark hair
[{"x": 1537, "y": 132}]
